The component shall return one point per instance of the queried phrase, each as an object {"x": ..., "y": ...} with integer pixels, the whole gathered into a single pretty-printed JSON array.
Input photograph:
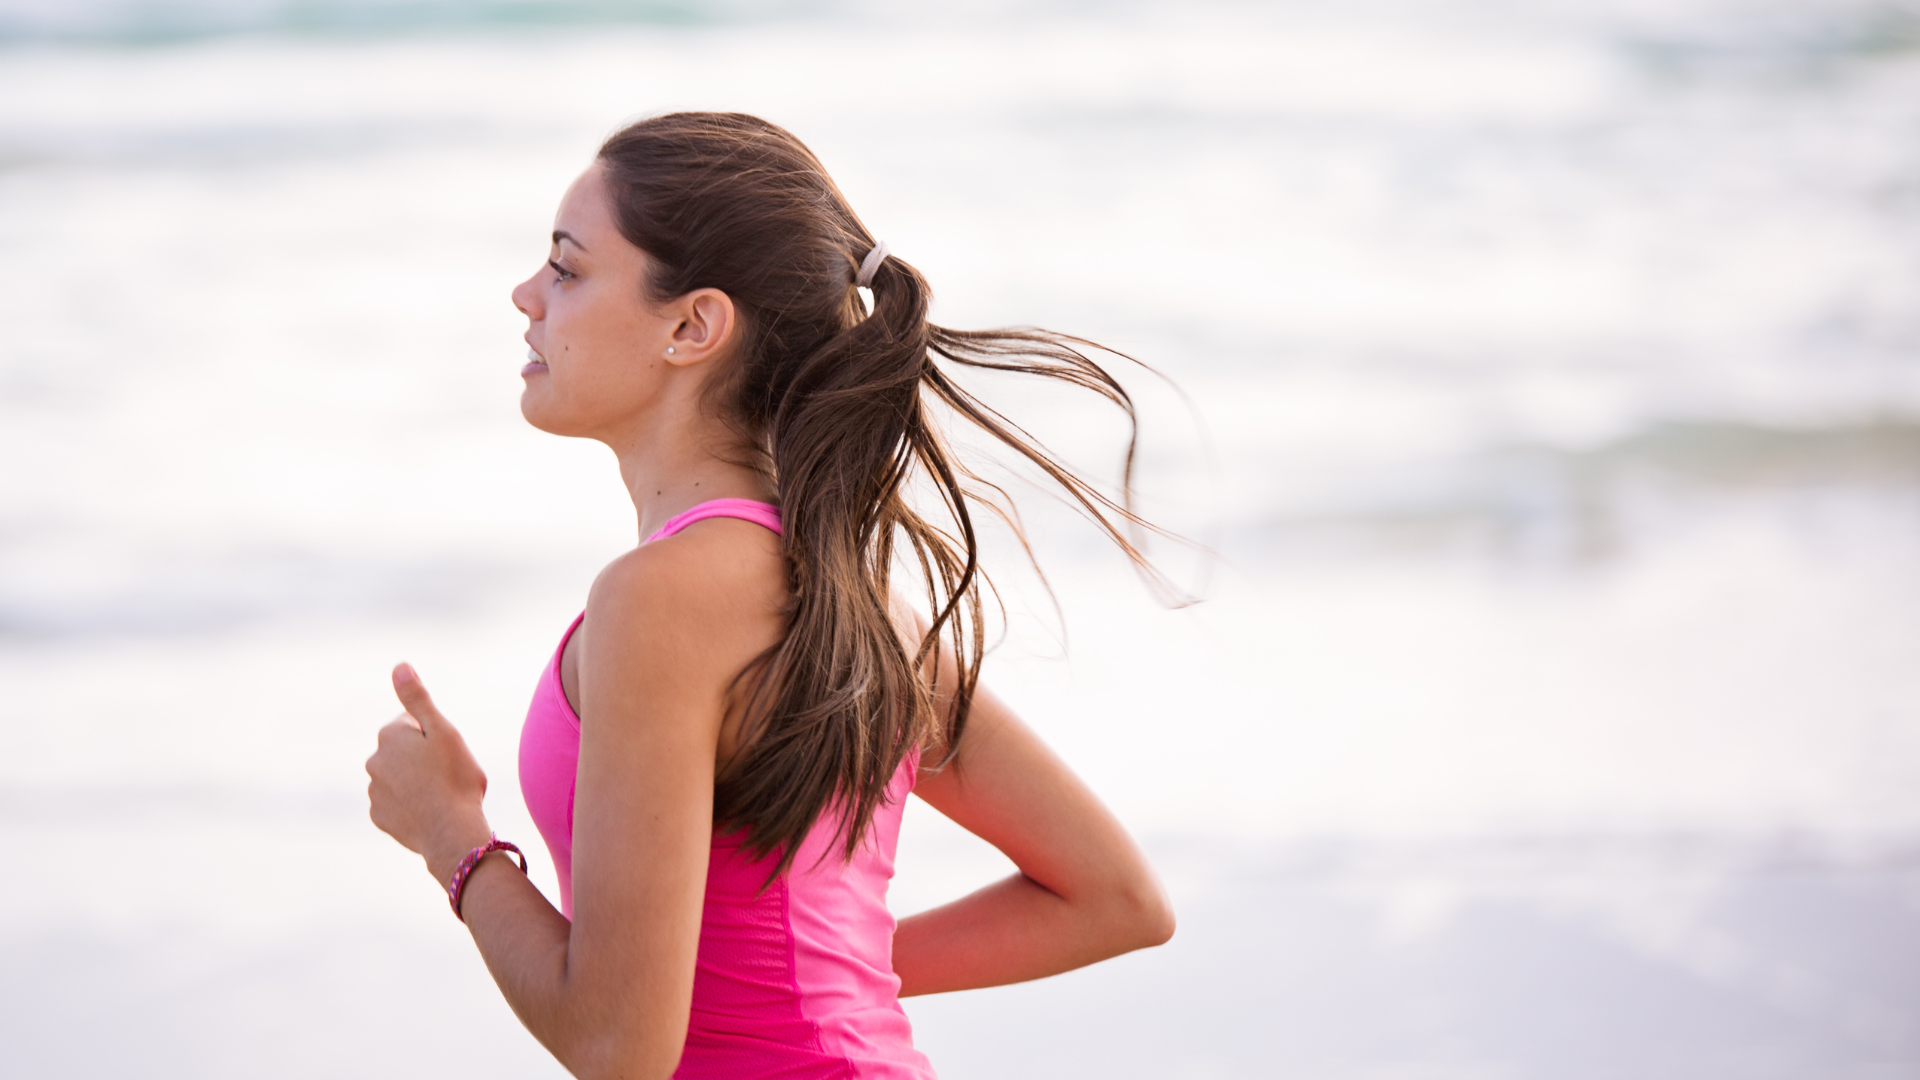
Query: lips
[{"x": 535, "y": 364}]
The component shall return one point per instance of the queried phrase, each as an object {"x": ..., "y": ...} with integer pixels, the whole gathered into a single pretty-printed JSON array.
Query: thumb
[{"x": 413, "y": 696}]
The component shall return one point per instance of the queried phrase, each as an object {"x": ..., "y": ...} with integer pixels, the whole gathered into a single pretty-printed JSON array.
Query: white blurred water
[{"x": 1556, "y": 707}]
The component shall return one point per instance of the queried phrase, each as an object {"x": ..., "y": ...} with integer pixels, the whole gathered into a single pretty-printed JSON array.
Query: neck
[{"x": 667, "y": 471}]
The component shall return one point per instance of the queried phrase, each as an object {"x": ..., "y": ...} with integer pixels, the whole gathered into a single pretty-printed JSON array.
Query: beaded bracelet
[{"x": 465, "y": 870}]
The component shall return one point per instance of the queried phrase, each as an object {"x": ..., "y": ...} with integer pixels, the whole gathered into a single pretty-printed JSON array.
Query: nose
[{"x": 526, "y": 298}]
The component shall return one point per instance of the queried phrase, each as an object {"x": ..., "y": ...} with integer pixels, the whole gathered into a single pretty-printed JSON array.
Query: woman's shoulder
[{"x": 714, "y": 572}]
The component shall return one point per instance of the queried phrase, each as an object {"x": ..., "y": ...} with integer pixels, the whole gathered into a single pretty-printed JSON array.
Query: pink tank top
[{"x": 795, "y": 981}]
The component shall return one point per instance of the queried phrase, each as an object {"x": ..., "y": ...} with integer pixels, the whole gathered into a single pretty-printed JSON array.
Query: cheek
[
  {"x": 586, "y": 389},
  {"x": 598, "y": 371},
  {"x": 577, "y": 347}
]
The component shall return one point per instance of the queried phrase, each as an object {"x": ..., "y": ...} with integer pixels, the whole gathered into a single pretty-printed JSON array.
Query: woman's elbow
[
  {"x": 1156, "y": 923},
  {"x": 1144, "y": 916},
  {"x": 1161, "y": 930}
]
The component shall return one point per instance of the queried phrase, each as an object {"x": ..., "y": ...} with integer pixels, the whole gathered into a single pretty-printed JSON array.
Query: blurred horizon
[{"x": 1747, "y": 29}]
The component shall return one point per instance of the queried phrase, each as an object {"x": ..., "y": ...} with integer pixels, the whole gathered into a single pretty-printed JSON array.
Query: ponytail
[{"x": 834, "y": 403}]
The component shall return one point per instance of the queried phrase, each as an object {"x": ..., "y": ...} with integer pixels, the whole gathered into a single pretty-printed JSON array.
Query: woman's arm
[
  {"x": 1084, "y": 892},
  {"x": 608, "y": 994}
]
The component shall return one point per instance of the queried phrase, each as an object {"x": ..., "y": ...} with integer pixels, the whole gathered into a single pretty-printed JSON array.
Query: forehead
[{"x": 585, "y": 213}]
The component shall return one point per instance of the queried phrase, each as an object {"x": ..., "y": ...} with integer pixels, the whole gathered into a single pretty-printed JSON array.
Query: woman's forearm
[
  {"x": 1015, "y": 930},
  {"x": 524, "y": 942}
]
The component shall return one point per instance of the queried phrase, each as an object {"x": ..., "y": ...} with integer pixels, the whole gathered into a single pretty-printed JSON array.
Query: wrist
[
  {"x": 450, "y": 847},
  {"x": 457, "y": 887}
]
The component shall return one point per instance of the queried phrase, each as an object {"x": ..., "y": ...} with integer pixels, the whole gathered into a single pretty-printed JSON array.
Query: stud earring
[{"x": 669, "y": 350}]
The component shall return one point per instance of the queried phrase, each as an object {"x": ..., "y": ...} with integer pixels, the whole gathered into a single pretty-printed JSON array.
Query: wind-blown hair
[{"x": 835, "y": 404}]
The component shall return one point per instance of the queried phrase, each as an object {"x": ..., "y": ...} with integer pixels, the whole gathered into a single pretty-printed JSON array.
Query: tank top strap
[{"x": 765, "y": 514}]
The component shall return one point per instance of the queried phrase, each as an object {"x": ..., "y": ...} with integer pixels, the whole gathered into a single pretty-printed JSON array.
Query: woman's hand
[{"x": 426, "y": 787}]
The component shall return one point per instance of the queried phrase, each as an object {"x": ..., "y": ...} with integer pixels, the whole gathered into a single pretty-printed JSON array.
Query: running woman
[{"x": 719, "y": 751}]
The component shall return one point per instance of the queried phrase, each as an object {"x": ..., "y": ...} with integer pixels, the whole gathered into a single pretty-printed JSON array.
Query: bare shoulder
[
  {"x": 717, "y": 583},
  {"x": 715, "y": 555}
]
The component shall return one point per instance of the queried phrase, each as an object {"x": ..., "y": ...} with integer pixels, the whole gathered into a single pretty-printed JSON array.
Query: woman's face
[{"x": 598, "y": 346}]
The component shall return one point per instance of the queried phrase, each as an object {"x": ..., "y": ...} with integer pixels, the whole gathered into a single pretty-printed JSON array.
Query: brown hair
[{"x": 834, "y": 404}]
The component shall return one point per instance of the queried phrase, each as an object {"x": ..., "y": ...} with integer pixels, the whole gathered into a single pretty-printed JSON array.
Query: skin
[{"x": 668, "y": 625}]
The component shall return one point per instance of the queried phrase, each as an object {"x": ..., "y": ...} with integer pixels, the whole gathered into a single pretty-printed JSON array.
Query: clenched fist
[{"x": 426, "y": 787}]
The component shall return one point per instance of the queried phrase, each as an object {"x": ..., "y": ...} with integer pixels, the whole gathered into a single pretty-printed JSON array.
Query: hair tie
[{"x": 871, "y": 263}]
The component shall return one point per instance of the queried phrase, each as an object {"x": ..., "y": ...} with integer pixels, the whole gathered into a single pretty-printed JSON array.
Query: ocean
[{"x": 1537, "y": 386}]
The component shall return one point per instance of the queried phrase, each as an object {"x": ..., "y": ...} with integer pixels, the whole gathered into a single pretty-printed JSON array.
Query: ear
[{"x": 705, "y": 327}]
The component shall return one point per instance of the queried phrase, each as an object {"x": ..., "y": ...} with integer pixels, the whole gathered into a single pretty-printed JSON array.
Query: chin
[
  {"x": 538, "y": 407},
  {"x": 539, "y": 412}
]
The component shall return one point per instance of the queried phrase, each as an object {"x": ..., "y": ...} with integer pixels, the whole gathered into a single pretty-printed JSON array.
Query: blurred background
[{"x": 1552, "y": 375}]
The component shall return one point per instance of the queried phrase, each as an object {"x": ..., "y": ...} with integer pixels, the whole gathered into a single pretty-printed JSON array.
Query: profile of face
[{"x": 604, "y": 358}]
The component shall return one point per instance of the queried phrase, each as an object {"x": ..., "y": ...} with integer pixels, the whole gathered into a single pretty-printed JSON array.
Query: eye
[{"x": 562, "y": 272}]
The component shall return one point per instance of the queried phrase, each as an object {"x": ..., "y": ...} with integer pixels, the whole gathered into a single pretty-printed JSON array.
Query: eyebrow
[{"x": 562, "y": 234}]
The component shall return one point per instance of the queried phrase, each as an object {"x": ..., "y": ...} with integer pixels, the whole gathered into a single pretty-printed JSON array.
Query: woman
[{"x": 718, "y": 753}]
